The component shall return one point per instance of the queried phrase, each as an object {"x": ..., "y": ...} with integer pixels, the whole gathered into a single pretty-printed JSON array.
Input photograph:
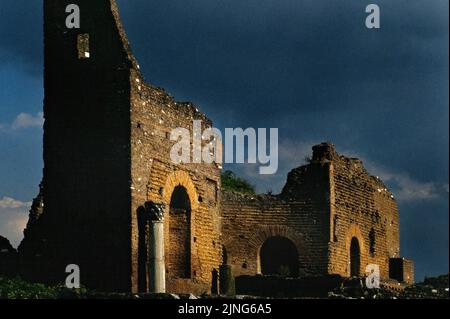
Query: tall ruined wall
[
  {"x": 86, "y": 219},
  {"x": 362, "y": 207},
  {"x": 106, "y": 154},
  {"x": 154, "y": 114}
]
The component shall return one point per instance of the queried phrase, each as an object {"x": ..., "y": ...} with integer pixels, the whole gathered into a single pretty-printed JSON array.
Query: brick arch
[
  {"x": 174, "y": 179},
  {"x": 263, "y": 233},
  {"x": 180, "y": 178},
  {"x": 354, "y": 231}
]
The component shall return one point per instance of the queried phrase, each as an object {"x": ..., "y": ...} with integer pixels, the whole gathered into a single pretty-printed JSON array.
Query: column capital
[{"x": 155, "y": 212}]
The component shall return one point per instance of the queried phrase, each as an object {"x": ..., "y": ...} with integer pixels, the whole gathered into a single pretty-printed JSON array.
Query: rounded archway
[
  {"x": 355, "y": 258},
  {"x": 179, "y": 219},
  {"x": 279, "y": 256}
]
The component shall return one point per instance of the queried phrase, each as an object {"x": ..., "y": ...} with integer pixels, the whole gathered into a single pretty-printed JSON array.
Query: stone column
[{"x": 157, "y": 268}]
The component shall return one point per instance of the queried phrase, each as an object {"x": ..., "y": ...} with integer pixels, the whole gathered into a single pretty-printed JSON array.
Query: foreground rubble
[{"x": 431, "y": 288}]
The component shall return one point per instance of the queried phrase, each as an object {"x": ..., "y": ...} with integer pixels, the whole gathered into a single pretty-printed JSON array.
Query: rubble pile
[{"x": 431, "y": 288}]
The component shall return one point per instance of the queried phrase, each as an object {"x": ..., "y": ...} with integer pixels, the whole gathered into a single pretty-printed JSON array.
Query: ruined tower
[{"x": 106, "y": 158}]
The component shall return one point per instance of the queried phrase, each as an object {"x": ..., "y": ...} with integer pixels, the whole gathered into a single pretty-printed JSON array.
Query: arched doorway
[
  {"x": 355, "y": 255},
  {"x": 178, "y": 253},
  {"x": 279, "y": 256}
]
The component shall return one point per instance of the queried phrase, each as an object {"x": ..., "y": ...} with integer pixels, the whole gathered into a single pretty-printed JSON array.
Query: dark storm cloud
[
  {"x": 298, "y": 55},
  {"x": 21, "y": 34},
  {"x": 310, "y": 68},
  {"x": 292, "y": 64}
]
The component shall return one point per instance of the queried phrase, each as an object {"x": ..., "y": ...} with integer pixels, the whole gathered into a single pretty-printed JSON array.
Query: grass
[{"x": 16, "y": 288}]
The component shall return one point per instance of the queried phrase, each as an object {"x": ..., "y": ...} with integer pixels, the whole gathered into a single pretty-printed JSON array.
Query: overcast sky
[{"x": 307, "y": 67}]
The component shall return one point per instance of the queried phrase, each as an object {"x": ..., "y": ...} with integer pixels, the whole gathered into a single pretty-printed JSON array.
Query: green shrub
[
  {"x": 230, "y": 182},
  {"x": 16, "y": 288}
]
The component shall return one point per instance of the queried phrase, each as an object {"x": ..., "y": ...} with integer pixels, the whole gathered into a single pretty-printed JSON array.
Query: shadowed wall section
[{"x": 85, "y": 221}]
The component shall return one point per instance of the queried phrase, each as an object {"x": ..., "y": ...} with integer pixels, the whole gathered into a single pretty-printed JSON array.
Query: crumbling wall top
[
  {"x": 123, "y": 36},
  {"x": 324, "y": 151},
  {"x": 239, "y": 197}
]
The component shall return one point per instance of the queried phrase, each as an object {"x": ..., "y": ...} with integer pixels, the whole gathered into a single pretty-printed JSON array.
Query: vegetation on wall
[{"x": 233, "y": 183}]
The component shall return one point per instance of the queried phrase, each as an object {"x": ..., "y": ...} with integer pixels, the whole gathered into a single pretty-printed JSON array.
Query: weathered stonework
[{"x": 324, "y": 207}]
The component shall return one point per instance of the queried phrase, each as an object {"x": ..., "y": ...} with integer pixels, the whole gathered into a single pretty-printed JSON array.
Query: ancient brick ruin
[
  {"x": 107, "y": 165},
  {"x": 332, "y": 216}
]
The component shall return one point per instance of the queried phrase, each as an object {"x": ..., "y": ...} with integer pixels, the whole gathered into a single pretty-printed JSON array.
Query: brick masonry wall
[
  {"x": 153, "y": 116},
  {"x": 402, "y": 269},
  {"x": 408, "y": 271},
  {"x": 361, "y": 204},
  {"x": 322, "y": 207},
  {"x": 300, "y": 214}
]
